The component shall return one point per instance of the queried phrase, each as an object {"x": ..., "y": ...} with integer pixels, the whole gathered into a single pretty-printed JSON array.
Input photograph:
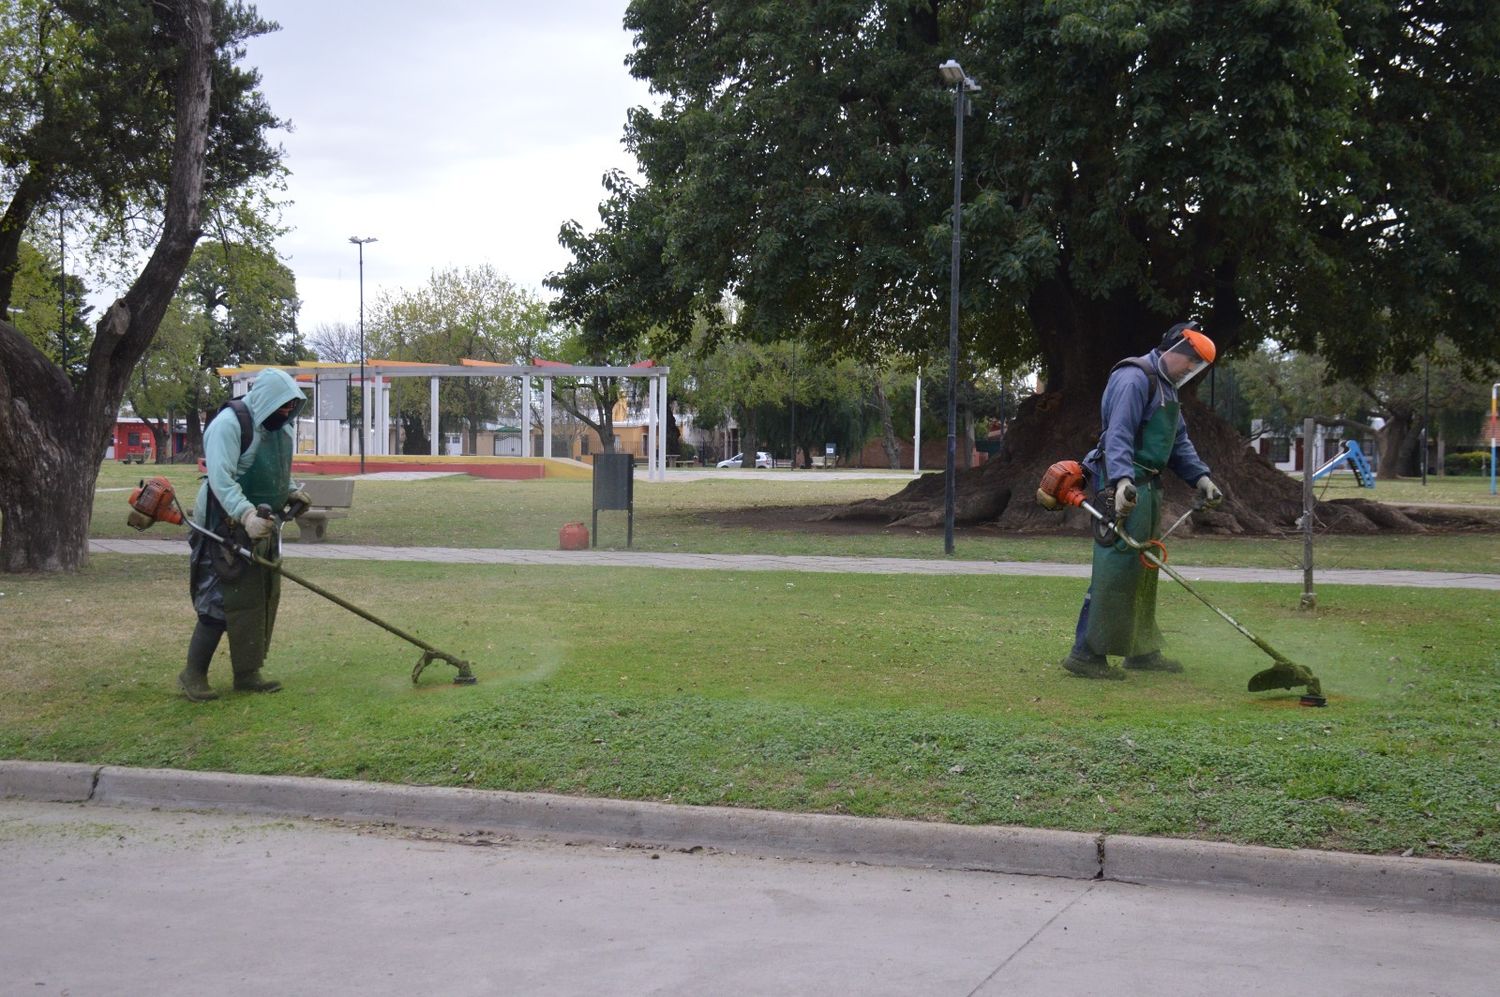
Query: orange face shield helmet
[{"x": 1185, "y": 353}]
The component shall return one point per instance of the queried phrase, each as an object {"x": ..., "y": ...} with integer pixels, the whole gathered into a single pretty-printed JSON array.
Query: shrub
[{"x": 1467, "y": 462}]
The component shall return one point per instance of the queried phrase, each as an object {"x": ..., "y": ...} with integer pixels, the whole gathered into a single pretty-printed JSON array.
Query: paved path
[
  {"x": 773, "y": 562},
  {"x": 113, "y": 900}
]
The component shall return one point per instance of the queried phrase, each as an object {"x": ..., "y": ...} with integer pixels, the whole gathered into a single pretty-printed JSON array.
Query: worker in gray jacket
[
  {"x": 1144, "y": 434},
  {"x": 247, "y": 451}
]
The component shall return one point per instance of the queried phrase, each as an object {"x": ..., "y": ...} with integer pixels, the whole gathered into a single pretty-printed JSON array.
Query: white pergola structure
[{"x": 376, "y": 395}]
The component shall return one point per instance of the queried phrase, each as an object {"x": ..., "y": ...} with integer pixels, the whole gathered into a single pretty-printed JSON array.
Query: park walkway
[{"x": 824, "y": 564}]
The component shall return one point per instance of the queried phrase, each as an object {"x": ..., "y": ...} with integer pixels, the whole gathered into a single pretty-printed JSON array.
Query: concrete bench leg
[{"x": 311, "y": 531}]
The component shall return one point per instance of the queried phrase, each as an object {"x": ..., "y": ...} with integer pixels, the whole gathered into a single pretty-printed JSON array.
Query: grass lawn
[
  {"x": 914, "y": 696},
  {"x": 1449, "y": 490},
  {"x": 686, "y": 515}
]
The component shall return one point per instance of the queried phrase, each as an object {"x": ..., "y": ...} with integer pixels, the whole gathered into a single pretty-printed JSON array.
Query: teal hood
[
  {"x": 271, "y": 390},
  {"x": 227, "y": 457}
]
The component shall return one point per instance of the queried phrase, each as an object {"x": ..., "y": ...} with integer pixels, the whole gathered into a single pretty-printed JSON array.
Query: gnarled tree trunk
[
  {"x": 1082, "y": 340},
  {"x": 887, "y": 428},
  {"x": 52, "y": 436}
]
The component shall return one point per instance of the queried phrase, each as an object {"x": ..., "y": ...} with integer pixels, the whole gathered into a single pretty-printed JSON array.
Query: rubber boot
[
  {"x": 194, "y": 678},
  {"x": 1090, "y": 666},
  {"x": 255, "y": 681},
  {"x": 1153, "y": 662}
]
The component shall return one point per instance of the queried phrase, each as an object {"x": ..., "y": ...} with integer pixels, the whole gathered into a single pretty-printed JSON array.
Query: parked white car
[{"x": 762, "y": 459}]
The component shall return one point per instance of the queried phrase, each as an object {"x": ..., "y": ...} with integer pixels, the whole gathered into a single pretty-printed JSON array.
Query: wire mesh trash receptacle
[{"x": 614, "y": 488}]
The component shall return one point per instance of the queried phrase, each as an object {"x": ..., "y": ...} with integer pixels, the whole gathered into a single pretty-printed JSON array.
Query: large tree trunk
[
  {"x": 1395, "y": 442},
  {"x": 748, "y": 443},
  {"x": 673, "y": 430},
  {"x": 194, "y": 433},
  {"x": 887, "y": 427},
  {"x": 1050, "y": 427},
  {"x": 53, "y": 436},
  {"x": 1082, "y": 340},
  {"x": 966, "y": 438},
  {"x": 414, "y": 438}
]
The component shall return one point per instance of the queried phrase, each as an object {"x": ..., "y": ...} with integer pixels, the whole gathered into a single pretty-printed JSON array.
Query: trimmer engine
[
  {"x": 1062, "y": 485},
  {"x": 153, "y": 502}
]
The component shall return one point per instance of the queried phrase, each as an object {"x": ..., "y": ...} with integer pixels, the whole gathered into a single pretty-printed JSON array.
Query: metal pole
[
  {"x": 1309, "y": 597},
  {"x": 1426, "y": 390},
  {"x": 916, "y": 439},
  {"x": 1494, "y": 431},
  {"x": 62, "y": 288},
  {"x": 950, "y": 480},
  {"x": 363, "y": 394},
  {"x": 794, "y": 404}
]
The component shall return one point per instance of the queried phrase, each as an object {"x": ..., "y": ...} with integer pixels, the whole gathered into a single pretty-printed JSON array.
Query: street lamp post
[
  {"x": 953, "y": 75},
  {"x": 62, "y": 285},
  {"x": 1426, "y": 391},
  {"x": 363, "y": 400}
]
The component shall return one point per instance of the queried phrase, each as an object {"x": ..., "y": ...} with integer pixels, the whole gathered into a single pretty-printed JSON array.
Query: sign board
[
  {"x": 332, "y": 398},
  {"x": 614, "y": 488}
]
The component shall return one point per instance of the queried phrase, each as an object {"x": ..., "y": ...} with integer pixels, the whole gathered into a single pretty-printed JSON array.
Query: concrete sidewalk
[
  {"x": 1434, "y": 883},
  {"x": 771, "y": 562},
  {"x": 123, "y": 900}
]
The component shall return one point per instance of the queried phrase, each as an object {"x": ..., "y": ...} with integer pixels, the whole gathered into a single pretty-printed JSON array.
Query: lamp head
[{"x": 952, "y": 73}]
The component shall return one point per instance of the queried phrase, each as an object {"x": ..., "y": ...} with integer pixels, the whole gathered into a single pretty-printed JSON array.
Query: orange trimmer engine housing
[
  {"x": 1062, "y": 485},
  {"x": 153, "y": 502}
]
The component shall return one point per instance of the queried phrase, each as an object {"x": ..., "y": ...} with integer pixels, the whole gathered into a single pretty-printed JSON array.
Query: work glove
[
  {"x": 1209, "y": 493},
  {"x": 1124, "y": 497},
  {"x": 297, "y": 503},
  {"x": 258, "y": 527}
]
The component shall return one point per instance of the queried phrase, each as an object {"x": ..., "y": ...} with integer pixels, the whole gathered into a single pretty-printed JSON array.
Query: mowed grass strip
[
  {"x": 688, "y": 516},
  {"x": 935, "y": 698}
]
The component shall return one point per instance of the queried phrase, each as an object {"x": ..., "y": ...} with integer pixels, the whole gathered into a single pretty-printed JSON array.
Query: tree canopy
[
  {"x": 137, "y": 114},
  {"x": 236, "y": 304},
  {"x": 87, "y": 104},
  {"x": 474, "y": 313},
  {"x": 1324, "y": 174}
]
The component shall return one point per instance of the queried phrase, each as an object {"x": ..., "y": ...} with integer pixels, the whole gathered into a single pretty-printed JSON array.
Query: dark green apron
[
  {"x": 1122, "y": 610},
  {"x": 251, "y": 599}
]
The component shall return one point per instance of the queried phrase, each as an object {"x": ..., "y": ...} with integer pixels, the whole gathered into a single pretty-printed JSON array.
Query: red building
[{"x": 133, "y": 442}]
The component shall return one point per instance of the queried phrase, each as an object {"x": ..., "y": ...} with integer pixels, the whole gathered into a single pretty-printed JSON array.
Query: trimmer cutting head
[
  {"x": 465, "y": 674},
  {"x": 1289, "y": 675}
]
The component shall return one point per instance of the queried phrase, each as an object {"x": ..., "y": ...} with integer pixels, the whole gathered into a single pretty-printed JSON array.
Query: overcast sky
[{"x": 457, "y": 132}]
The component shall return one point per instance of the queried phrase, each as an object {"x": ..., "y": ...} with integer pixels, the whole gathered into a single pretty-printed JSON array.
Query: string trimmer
[
  {"x": 155, "y": 501},
  {"x": 1062, "y": 486}
]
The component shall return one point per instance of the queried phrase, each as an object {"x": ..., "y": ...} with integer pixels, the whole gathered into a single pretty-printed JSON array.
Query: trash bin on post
[{"x": 614, "y": 488}]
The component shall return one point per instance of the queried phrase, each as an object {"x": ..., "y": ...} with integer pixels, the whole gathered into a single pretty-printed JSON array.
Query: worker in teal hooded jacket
[{"x": 230, "y": 592}]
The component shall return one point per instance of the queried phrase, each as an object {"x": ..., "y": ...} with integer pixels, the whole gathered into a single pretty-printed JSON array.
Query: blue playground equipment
[{"x": 1353, "y": 456}]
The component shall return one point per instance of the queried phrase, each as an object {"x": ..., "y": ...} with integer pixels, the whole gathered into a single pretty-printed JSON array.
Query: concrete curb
[
  {"x": 51, "y": 782},
  {"x": 1177, "y": 861},
  {"x": 850, "y": 839},
  {"x": 1024, "y": 851}
]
